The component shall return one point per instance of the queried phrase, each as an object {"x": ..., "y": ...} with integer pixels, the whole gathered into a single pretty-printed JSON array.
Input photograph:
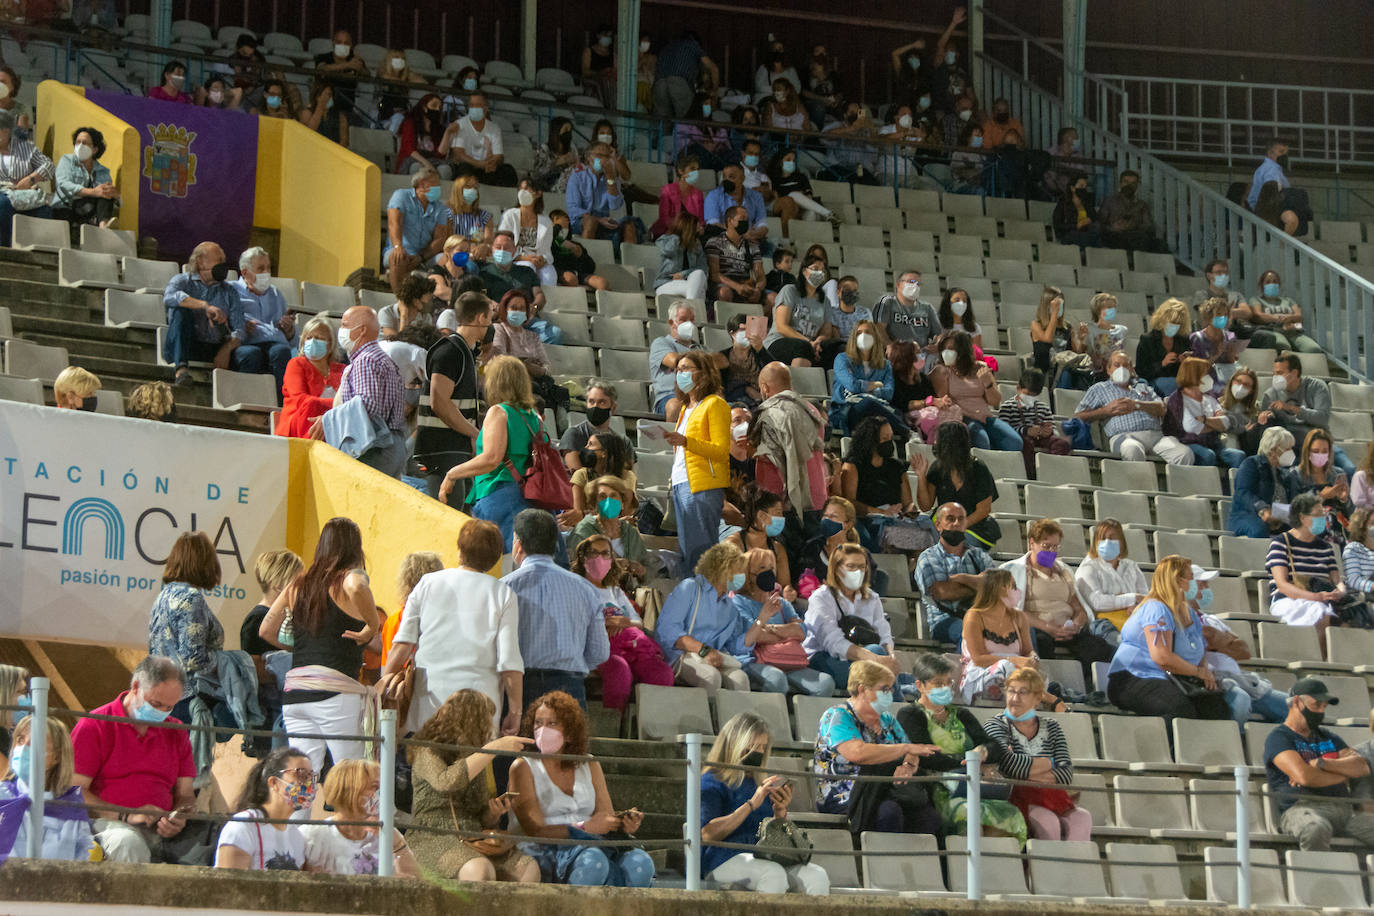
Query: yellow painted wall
[
  {"x": 62, "y": 109},
  {"x": 267, "y": 198},
  {"x": 395, "y": 519}
]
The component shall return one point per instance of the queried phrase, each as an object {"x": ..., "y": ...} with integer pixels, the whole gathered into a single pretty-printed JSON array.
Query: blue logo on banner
[{"x": 82, "y": 511}]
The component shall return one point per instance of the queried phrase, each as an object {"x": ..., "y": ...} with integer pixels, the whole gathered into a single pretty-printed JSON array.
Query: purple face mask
[{"x": 1046, "y": 558}]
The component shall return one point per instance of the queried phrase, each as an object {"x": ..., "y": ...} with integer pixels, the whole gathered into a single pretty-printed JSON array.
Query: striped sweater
[{"x": 1019, "y": 752}]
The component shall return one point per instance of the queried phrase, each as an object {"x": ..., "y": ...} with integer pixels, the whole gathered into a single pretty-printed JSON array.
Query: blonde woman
[
  {"x": 353, "y": 790},
  {"x": 396, "y": 77},
  {"x": 701, "y": 634},
  {"x": 1158, "y": 670},
  {"x": 1108, "y": 582},
  {"x": 863, "y": 380},
  {"x": 75, "y": 388},
  {"x": 505, "y": 440},
  {"x": 996, "y": 639},
  {"x": 151, "y": 401},
  {"x": 733, "y": 805},
  {"x": 847, "y": 593},
  {"x": 274, "y": 570},
  {"x": 1050, "y": 334},
  {"x": 14, "y": 691},
  {"x": 66, "y": 826},
  {"x": 469, "y": 219},
  {"x": 1159, "y": 353},
  {"x": 413, "y": 568}
]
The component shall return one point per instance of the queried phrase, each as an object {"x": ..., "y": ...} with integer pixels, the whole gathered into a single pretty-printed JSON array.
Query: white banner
[{"x": 90, "y": 506}]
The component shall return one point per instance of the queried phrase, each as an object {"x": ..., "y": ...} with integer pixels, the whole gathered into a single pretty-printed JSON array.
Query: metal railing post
[
  {"x": 386, "y": 853},
  {"x": 973, "y": 762},
  {"x": 1242, "y": 837},
  {"x": 691, "y": 828},
  {"x": 37, "y": 777}
]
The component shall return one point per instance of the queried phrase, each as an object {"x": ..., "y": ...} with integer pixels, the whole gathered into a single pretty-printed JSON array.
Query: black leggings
[{"x": 1162, "y": 697}]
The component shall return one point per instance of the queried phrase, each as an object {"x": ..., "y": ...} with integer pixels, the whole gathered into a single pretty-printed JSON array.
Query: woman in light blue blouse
[
  {"x": 701, "y": 634},
  {"x": 1158, "y": 669},
  {"x": 85, "y": 191}
]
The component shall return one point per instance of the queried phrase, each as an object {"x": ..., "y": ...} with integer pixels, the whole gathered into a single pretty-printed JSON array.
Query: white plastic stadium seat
[
  {"x": 244, "y": 390},
  {"x": 1266, "y": 877},
  {"x": 665, "y": 712},
  {"x": 124, "y": 309},
  {"x": 31, "y": 360},
  {"x": 33, "y": 233},
  {"x": 1319, "y": 888},
  {"x": 916, "y": 872},
  {"x": 24, "y": 390},
  {"x": 1146, "y": 871},
  {"x": 1083, "y": 878},
  {"x": 317, "y": 297},
  {"x": 88, "y": 269},
  {"x": 119, "y": 242},
  {"x": 144, "y": 276}
]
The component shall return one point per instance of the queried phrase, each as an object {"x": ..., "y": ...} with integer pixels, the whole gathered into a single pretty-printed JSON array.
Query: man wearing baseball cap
[{"x": 1310, "y": 770}]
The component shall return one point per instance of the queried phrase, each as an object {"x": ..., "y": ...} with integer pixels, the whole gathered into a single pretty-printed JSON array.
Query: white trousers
[
  {"x": 341, "y": 714},
  {"x": 810, "y": 204},
  {"x": 694, "y": 287},
  {"x": 1137, "y": 446},
  {"x": 693, "y": 671},
  {"x": 547, "y": 275},
  {"x": 745, "y": 872}
]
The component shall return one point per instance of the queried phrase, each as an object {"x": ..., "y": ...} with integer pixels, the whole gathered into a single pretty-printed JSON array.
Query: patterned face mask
[{"x": 300, "y": 794}]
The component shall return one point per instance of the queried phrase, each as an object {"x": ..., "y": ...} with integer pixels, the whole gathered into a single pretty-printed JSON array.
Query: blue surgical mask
[
  {"x": 517, "y": 319},
  {"x": 147, "y": 713},
  {"x": 1317, "y": 525},
  {"x": 502, "y": 257},
  {"x": 19, "y": 762},
  {"x": 751, "y": 161},
  {"x": 693, "y": 176},
  {"x": 976, "y": 142},
  {"x": 1219, "y": 322},
  {"x": 789, "y": 166},
  {"x": 882, "y": 702},
  {"x": 1204, "y": 598},
  {"x": 469, "y": 195},
  {"x": 609, "y": 507},
  {"x": 706, "y": 111},
  {"x": 470, "y": 84},
  {"x": 1191, "y": 591},
  {"x": 434, "y": 193},
  {"x": 1109, "y": 549},
  {"x": 737, "y": 582},
  {"x": 685, "y": 381},
  {"x": 1171, "y": 329},
  {"x": 314, "y": 348},
  {"x": 596, "y": 164},
  {"x": 950, "y": 57},
  {"x": 774, "y": 526},
  {"x": 1109, "y": 314},
  {"x": 1220, "y": 281},
  {"x": 941, "y": 696},
  {"x": 1024, "y": 717},
  {"x": 476, "y": 113},
  {"x": 274, "y": 101},
  {"x": 1271, "y": 290}
]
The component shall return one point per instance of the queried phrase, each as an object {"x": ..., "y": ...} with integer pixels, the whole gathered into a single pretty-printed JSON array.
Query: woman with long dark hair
[
  {"x": 278, "y": 786},
  {"x": 332, "y": 615},
  {"x": 973, "y": 389},
  {"x": 421, "y": 139},
  {"x": 957, "y": 475},
  {"x": 875, "y": 481}
]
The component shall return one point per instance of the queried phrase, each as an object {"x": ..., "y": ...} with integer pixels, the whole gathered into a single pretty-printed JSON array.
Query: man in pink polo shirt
[{"x": 133, "y": 765}]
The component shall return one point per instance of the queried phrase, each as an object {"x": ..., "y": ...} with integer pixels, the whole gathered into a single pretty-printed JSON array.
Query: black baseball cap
[{"x": 1314, "y": 688}]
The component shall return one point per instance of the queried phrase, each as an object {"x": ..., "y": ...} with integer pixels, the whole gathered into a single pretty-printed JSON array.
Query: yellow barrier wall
[
  {"x": 395, "y": 519},
  {"x": 267, "y": 196},
  {"x": 330, "y": 216},
  {"x": 62, "y": 109}
]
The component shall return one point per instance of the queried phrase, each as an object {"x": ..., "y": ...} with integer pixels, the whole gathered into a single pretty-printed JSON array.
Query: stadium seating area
[{"x": 98, "y": 305}]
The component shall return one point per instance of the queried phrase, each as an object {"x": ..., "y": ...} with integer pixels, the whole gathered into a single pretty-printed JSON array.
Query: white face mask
[
  {"x": 1025, "y": 400},
  {"x": 950, "y": 357},
  {"x": 852, "y": 578},
  {"x": 1121, "y": 375},
  {"x": 780, "y": 96},
  {"x": 1287, "y": 459},
  {"x": 398, "y": 63},
  {"x": 742, "y": 338},
  {"x": 4, "y": 90},
  {"x": 262, "y": 281},
  {"x": 1240, "y": 391},
  {"x": 911, "y": 290},
  {"x": 740, "y": 430},
  {"x": 604, "y": 138},
  {"x": 83, "y": 152},
  {"x": 217, "y": 95},
  {"x": 958, "y": 307},
  {"x": 346, "y": 340},
  {"x": 686, "y": 330},
  {"x": 525, "y": 196},
  {"x": 177, "y": 80},
  {"x": 864, "y": 342},
  {"x": 904, "y": 121},
  {"x": 643, "y": 47},
  {"x": 341, "y": 50}
]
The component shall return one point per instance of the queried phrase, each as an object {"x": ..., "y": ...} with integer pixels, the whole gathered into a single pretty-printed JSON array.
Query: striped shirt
[
  {"x": 1020, "y": 417},
  {"x": 1359, "y": 567},
  {"x": 1137, "y": 421},
  {"x": 24, "y": 159},
  {"x": 1300, "y": 558},
  {"x": 1019, "y": 752}
]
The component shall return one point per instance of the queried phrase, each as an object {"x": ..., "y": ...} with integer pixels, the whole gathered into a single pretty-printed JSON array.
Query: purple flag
[{"x": 197, "y": 175}]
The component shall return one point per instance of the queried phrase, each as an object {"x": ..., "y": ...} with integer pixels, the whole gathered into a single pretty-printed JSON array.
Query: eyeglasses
[
  {"x": 310, "y": 776},
  {"x": 1016, "y": 692}
]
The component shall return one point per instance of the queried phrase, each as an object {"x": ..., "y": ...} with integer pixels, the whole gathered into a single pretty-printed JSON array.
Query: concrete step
[
  {"x": 28, "y": 325},
  {"x": 81, "y": 314},
  {"x": 83, "y": 347},
  {"x": 34, "y": 291},
  {"x": 32, "y": 258},
  {"x": 189, "y": 395},
  {"x": 32, "y": 273}
]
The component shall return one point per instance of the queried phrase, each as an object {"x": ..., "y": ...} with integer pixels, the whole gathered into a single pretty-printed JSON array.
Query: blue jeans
[
  {"x": 1206, "y": 457},
  {"x": 1342, "y": 461},
  {"x": 1165, "y": 386},
  {"x": 698, "y": 522},
  {"x": 810, "y": 681},
  {"x": 539, "y": 681},
  {"x": 1248, "y": 525},
  {"x": 7, "y": 212},
  {"x": 838, "y": 668},
  {"x": 994, "y": 433},
  {"x": 592, "y": 866},
  {"x": 1272, "y": 707},
  {"x": 180, "y": 344},
  {"x": 941, "y": 627},
  {"x": 500, "y": 507},
  {"x": 257, "y": 358}
]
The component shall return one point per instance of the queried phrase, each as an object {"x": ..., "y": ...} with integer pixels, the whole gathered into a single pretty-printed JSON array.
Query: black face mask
[
  {"x": 951, "y": 537},
  {"x": 588, "y": 458},
  {"x": 597, "y": 416},
  {"x": 766, "y": 580},
  {"x": 741, "y": 226},
  {"x": 88, "y": 404},
  {"x": 1002, "y": 117},
  {"x": 220, "y": 272},
  {"x": 727, "y": 186},
  {"x": 1128, "y": 190},
  {"x": 887, "y": 449},
  {"x": 1313, "y": 718},
  {"x": 753, "y": 759},
  {"x": 557, "y": 231},
  {"x": 1283, "y": 162},
  {"x": 851, "y": 117}
]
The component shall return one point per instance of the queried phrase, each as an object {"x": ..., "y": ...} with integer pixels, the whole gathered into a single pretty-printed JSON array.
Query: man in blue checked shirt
[
  {"x": 594, "y": 193},
  {"x": 1131, "y": 415},
  {"x": 204, "y": 315},
  {"x": 269, "y": 328},
  {"x": 562, "y": 630}
]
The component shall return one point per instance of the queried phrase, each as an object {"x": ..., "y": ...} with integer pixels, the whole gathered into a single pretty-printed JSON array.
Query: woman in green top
[
  {"x": 934, "y": 719},
  {"x": 505, "y": 440}
]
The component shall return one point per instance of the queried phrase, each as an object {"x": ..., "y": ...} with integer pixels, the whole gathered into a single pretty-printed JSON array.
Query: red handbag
[
  {"x": 787, "y": 655},
  {"x": 545, "y": 484}
]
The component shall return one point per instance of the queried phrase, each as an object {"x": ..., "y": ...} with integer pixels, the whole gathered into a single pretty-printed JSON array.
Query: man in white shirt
[{"x": 474, "y": 141}]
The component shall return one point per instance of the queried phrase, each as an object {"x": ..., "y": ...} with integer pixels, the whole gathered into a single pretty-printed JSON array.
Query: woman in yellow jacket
[{"x": 701, "y": 457}]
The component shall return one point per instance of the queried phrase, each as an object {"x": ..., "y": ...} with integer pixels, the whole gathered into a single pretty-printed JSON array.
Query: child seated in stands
[
  {"x": 781, "y": 275},
  {"x": 575, "y": 267},
  {"x": 1032, "y": 420}
]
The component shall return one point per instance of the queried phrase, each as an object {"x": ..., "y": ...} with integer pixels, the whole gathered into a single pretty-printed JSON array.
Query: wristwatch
[{"x": 704, "y": 651}]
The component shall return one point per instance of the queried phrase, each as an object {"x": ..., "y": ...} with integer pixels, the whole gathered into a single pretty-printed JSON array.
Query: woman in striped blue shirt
[
  {"x": 1358, "y": 555},
  {"x": 1303, "y": 564}
]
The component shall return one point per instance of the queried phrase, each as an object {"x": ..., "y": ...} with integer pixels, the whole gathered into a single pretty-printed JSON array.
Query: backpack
[{"x": 545, "y": 484}]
